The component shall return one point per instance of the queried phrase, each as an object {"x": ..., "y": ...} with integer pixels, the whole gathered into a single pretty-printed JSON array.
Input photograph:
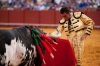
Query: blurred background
[
  {"x": 45, "y": 15},
  {"x": 87, "y": 5},
  {"x": 44, "y": 12}
]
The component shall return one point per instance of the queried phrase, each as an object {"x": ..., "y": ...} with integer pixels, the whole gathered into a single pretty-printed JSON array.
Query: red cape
[{"x": 64, "y": 56}]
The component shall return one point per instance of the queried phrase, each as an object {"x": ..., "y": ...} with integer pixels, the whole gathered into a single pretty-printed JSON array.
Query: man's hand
[
  {"x": 84, "y": 36},
  {"x": 47, "y": 35},
  {"x": 50, "y": 35},
  {"x": 54, "y": 36}
]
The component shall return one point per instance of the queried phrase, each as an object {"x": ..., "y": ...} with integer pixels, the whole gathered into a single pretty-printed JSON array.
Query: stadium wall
[{"x": 38, "y": 18}]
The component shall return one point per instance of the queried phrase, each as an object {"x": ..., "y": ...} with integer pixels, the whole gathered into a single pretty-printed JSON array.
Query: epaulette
[
  {"x": 77, "y": 15},
  {"x": 62, "y": 21}
]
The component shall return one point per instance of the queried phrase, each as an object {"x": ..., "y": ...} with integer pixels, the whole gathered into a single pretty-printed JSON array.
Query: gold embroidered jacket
[{"x": 77, "y": 22}]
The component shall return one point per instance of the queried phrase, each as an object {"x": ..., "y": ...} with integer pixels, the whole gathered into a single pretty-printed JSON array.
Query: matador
[{"x": 73, "y": 23}]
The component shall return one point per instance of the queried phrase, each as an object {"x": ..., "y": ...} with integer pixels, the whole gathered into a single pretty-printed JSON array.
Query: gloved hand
[{"x": 53, "y": 36}]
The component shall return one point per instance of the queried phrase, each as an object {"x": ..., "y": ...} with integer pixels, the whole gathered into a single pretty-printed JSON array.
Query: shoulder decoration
[
  {"x": 77, "y": 15},
  {"x": 62, "y": 21}
]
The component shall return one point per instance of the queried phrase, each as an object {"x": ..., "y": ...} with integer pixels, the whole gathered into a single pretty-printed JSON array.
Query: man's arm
[
  {"x": 57, "y": 32},
  {"x": 89, "y": 22}
]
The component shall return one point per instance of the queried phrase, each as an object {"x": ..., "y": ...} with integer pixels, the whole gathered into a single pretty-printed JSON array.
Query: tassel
[
  {"x": 50, "y": 45},
  {"x": 47, "y": 38},
  {"x": 47, "y": 48},
  {"x": 40, "y": 52}
]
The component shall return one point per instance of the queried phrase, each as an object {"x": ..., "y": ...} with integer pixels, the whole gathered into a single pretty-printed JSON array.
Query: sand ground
[{"x": 91, "y": 48}]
